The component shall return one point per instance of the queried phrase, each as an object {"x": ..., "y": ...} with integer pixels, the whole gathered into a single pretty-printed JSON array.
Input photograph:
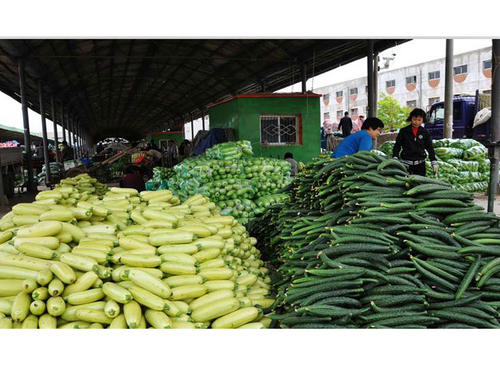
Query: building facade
[
  {"x": 415, "y": 86},
  {"x": 273, "y": 123}
]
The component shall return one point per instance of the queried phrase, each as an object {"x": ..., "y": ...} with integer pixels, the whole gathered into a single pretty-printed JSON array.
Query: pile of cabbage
[
  {"x": 231, "y": 177},
  {"x": 463, "y": 163}
]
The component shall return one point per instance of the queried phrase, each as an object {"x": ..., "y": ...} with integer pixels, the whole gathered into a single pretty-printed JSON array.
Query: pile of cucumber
[
  {"x": 128, "y": 260},
  {"x": 363, "y": 244}
]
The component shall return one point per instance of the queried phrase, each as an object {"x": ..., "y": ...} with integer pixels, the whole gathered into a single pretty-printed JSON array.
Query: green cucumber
[
  {"x": 455, "y": 316},
  {"x": 432, "y": 277},
  {"x": 424, "y": 249},
  {"x": 410, "y": 319},
  {"x": 468, "y": 278}
]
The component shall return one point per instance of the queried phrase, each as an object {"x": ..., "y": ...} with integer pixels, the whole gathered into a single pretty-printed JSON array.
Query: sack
[{"x": 482, "y": 116}]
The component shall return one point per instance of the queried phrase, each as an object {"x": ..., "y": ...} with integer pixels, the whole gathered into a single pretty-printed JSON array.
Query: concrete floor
[
  {"x": 482, "y": 200},
  {"x": 17, "y": 198}
]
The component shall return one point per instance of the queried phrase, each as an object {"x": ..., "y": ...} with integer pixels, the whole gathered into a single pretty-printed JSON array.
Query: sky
[{"x": 410, "y": 53}]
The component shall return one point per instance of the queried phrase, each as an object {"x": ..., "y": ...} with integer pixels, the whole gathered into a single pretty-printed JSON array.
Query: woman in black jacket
[{"x": 412, "y": 141}]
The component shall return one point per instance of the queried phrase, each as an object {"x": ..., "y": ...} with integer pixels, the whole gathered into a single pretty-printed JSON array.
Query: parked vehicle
[{"x": 465, "y": 108}]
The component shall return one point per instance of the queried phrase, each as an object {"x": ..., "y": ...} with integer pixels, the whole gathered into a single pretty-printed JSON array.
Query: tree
[{"x": 391, "y": 113}]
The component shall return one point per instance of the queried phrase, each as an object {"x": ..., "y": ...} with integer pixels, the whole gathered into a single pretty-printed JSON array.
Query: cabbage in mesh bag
[
  {"x": 465, "y": 165},
  {"x": 446, "y": 153},
  {"x": 465, "y": 144},
  {"x": 476, "y": 153},
  {"x": 484, "y": 165},
  {"x": 387, "y": 147},
  {"x": 473, "y": 186}
]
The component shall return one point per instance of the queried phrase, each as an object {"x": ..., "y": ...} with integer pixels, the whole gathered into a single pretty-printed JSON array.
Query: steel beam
[{"x": 26, "y": 124}]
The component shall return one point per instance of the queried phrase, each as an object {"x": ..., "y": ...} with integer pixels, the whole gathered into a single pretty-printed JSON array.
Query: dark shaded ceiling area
[{"x": 130, "y": 87}]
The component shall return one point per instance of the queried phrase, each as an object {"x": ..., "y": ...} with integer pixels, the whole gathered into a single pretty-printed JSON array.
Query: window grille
[{"x": 279, "y": 130}]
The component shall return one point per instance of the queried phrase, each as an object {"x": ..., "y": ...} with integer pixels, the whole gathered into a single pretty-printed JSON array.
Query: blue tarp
[{"x": 213, "y": 137}]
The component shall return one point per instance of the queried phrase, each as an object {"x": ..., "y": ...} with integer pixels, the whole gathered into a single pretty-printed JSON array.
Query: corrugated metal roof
[{"x": 129, "y": 88}]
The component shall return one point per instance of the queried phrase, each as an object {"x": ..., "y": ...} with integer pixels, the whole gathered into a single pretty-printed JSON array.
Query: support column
[
  {"x": 203, "y": 120},
  {"x": 494, "y": 147},
  {"x": 375, "y": 81},
  {"x": 44, "y": 136},
  {"x": 77, "y": 141},
  {"x": 80, "y": 139},
  {"x": 304, "y": 78},
  {"x": 54, "y": 120},
  {"x": 371, "y": 92},
  {"x": 63, "y": 123},
  {"x": 192, "y": 127},
  {"x": 70, "y": 129},
  {"x": 448, "y": 91},
  {"x": 26, "y": 124}
]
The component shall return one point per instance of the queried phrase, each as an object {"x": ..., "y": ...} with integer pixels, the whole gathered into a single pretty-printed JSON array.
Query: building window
[
  {"x": 354, "y": 111},
  {"x": 411, "y": 103},
  {"x": 339, "y": 94},
  {"x": 354, "y": 91},
  {"x": 487, "y": 92},
  {"x": 340, "y": 114},
  {"x": 326, "y": 115},
  {"x": 366, "y": 89},
  {"x": 391, "y": 83},
  {"x": 434, "y": 75},
  {"x": 487, "y": 64},
  {"x": 279, "y": 129},
  {"x": 411, "y": 80},
  {"x": 366, "y": 109},
  {"x": 433, "y": 100},
  {"x": 326, "y": 96},
  {"x": 462, "y": 69}
]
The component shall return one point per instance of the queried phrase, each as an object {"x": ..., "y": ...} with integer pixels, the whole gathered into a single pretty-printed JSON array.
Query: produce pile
[
  {"x": 56, "y": 172},
  {"x": 160, "y": 178},
  {"x": 463, "y": 163},
  {"x": 230, "y": 150},
  {"x": 128, "y": 260},
  {"x": 73, "y": 189},
  {"x": 117, "y": 167},
  {"x": 232, "y": 178},
  {"x": 364, "y": 244}
]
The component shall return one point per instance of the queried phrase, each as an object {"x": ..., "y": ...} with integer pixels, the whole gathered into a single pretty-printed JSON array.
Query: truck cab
[{"x": 464, "y": 110}]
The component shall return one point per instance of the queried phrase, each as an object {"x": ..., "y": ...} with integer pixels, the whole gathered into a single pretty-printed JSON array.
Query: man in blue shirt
[{"x": 359, "y": 141}]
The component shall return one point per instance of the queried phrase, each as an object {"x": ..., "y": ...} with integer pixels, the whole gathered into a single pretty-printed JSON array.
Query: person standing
[
  {"x": 293, "y": 163},
  {"x": 360, "y": 141},
  {"x": 412, "y": 143},
  {"x": 345, "y": 125},
  {"x": 328, "y": 132},
  {"x": 132, "y": 178}
]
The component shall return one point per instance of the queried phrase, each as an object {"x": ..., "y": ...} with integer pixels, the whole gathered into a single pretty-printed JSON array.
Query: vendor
[
  {"x": 413, "y": 143},
  {"x": 132, "y": 178},
  {"x": 294, "y": 166},
  {"x": 360, "y": 141}
]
